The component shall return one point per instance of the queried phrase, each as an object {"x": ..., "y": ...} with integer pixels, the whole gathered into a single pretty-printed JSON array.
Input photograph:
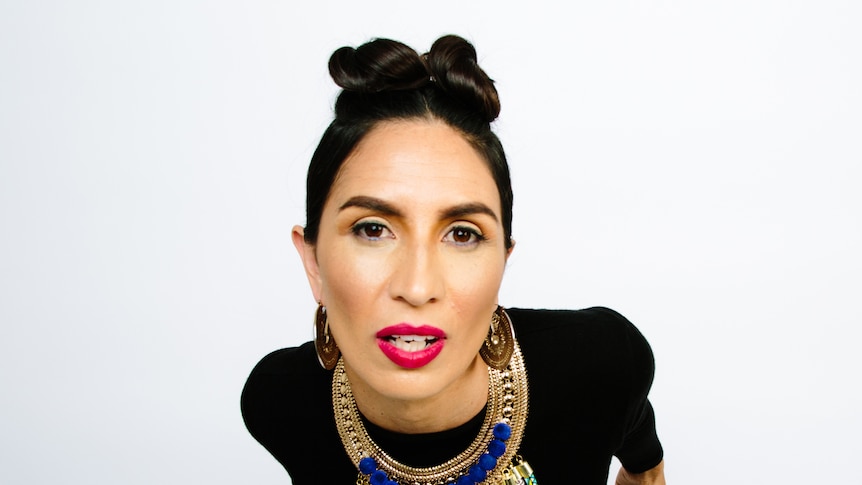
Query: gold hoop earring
[
  {"x": 324, "y": 342},
  {"x": 500, "y": 342}
]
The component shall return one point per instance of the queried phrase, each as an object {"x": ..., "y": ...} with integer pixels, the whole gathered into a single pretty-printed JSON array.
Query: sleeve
[
  {"x": 640, "y": 449},
  {"x": 261, "y": 398},
  {"x": 286, "y": 406},
  {"x": 268, "y": 402}
]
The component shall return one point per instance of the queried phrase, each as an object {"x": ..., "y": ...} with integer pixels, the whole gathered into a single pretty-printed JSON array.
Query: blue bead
[
  {"x": 487, "y": 462},
  {"x": 477, "y": 474},
  {"x": 496, "y": 448},
  {"x": 465, "y": 480},
  {"x": 367, "y": 465},
  {"x": 502, "y": 431},
  {"x": 378, "y": 478},
  {"x": 390, "y": 482}
]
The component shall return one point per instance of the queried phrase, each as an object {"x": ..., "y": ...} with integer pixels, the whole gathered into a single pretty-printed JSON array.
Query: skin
[
  {"x": 411, "y": 232},
  {"x": 653, "y": 476}
]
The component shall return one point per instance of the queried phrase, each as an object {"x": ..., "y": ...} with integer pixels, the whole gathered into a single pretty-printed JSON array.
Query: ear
[
  {"x": 511, "y": 248},
  {"x": 309, "y": 260}
]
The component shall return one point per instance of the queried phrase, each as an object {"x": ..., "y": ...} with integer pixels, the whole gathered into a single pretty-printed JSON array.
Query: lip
[{"x": 407, "y": 359}]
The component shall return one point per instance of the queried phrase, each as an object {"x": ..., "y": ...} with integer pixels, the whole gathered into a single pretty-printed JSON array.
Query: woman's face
[{"x": 409, "y": 259}]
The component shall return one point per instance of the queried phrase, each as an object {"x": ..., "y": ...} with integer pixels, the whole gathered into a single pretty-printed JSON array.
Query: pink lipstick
[{"x": 410, "y": 346}]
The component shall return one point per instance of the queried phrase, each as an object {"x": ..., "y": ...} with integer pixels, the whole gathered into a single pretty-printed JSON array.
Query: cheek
[
  {"x": 349, "y": 282},
  {"x": 475, "y": 287}
]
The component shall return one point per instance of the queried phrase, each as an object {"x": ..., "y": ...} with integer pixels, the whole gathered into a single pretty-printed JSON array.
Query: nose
[{"x": 417, "y": 276}]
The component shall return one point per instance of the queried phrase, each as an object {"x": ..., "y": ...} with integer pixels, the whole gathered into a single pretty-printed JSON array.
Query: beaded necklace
[{"x": 490, "y": 459}]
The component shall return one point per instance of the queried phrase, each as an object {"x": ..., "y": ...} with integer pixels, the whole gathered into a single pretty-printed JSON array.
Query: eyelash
[
  {"x": 479, "y": 237},
  {"x": 361, "y": 226},
  {"x": 476, "y": 236}
]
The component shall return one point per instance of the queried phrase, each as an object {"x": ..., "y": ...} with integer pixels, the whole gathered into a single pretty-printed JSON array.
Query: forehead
[{"x": 426, "y": 157}]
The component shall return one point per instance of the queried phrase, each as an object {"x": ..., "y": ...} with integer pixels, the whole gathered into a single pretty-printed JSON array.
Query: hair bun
[
  {"x": 454, "y": 66},
  {"x": 379, "y": 65},
  {"x": 388, "y": 65}
]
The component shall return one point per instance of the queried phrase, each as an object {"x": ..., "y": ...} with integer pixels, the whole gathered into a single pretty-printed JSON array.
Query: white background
[{"x": 692, "y": 164}]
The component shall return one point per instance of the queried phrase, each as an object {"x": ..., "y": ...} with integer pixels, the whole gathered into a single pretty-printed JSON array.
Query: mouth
[
  {"x": 411, "y": 347},
  {"x": 411, "y": 343}
]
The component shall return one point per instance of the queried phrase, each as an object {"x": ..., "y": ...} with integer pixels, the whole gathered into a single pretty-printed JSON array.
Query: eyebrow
[
  {"x": 385, "y": 208},
  {"x": 470, "y": 208},
  {"x": 371, "y": 203}
]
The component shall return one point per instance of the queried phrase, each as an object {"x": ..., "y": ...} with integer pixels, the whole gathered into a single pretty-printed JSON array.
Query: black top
[{"x": 589, "y": 373}]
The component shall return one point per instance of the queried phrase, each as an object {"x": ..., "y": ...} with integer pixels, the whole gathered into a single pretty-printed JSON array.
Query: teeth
[{"x": 411, "y": 343}]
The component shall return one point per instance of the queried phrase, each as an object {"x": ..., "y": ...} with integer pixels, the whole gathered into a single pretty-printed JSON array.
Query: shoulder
[
  {"x": 282, "y": 371},
  {"x": 271, "y": 390},
  {"x": 597, "y": 340},
  {"x": 288, "y": 394},
  {"x": 549, "y": 318},
  {"x": 596, "y": 325},
  {"x": 287, "y": 361}
]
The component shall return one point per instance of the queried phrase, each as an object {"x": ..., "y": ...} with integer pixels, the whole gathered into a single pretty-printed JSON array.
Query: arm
[
  {"x": 640, "y": 448},
  {"x": 653, "y": 476}
]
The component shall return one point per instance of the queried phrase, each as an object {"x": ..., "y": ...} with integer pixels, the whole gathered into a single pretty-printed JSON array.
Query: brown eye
[
  {"x": 371, "y": 230},
  {"x": 464, "y": 236}
]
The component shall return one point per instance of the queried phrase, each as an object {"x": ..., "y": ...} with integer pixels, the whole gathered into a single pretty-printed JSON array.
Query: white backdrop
[{"x": 694, "y": 165}]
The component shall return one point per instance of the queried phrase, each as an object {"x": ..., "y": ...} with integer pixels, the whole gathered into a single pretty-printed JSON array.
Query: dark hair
[{"x": 385, "y": 80}]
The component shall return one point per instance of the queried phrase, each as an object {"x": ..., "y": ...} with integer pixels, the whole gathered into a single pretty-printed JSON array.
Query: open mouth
[
  {"x": 411, "y": 343},
  {"x": 411, "y": 346}
]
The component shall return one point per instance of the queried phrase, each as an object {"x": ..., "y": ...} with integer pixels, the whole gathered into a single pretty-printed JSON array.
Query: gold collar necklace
[{"x": 491, "y": 459}]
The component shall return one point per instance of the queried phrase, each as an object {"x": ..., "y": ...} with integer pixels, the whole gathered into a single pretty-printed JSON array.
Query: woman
[{"x": 416, "y": 374}]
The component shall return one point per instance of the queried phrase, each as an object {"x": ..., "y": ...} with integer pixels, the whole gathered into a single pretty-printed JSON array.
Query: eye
[
  {"x": 464, "y": 236},
  {"x": 372, "y": 231}
]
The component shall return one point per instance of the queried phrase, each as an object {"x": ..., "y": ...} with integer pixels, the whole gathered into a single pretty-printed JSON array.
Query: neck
[{"x": 451, "y": 407}]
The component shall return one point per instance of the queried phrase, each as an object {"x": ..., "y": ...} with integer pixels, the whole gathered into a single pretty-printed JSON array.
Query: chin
[{"x": 407, "y": 385}]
